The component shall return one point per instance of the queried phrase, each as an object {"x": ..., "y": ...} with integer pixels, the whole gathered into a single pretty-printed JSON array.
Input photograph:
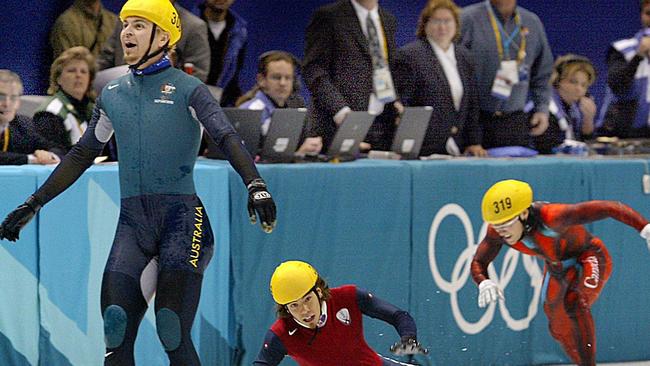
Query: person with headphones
[
  {"x": 319, "y": 326},
  {"x": 577, "y": 263},
  {"x": 156, "y": 112},
  {"x": 277, "y": 87},
  {"x": 571, "y": 110}
]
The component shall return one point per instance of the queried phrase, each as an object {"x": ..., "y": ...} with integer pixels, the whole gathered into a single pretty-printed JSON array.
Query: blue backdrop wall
[{"x": 580, "y": 26}]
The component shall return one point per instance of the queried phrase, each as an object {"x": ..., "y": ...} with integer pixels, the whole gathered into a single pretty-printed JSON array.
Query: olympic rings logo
[{"x": 461, "y": 273}]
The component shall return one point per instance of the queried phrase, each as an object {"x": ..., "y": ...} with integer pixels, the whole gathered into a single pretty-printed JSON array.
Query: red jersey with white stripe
[{"x": 339, "y": 342}]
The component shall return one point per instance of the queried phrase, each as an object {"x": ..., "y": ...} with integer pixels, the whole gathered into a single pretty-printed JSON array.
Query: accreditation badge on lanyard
[
  {"x": 383, "y": 85},
  {"x": 505, "y": 79},
  {"x": 510, "y": 72}
]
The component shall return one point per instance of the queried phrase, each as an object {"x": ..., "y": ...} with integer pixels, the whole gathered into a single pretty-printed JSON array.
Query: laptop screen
[
  {"x": 282, "y": 139},
  {"x": 350, "y": 133},
  {"x": 247, "y": 123},
  {"x": 411, "y": 131}
]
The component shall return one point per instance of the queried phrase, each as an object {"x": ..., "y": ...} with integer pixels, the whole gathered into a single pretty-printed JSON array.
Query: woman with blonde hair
[
  {"x": 63, "y": 118},
  {"x": 572, "y": 111}
]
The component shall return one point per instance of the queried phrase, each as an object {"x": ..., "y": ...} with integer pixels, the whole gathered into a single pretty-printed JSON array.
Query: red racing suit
[
  {"x": 577, "y": 265},
  {"x": 340, "y": 340}
]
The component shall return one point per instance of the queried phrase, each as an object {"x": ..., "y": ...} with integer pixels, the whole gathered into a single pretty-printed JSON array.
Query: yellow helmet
[
  {"x": 160, "y": 12},
  {"x": 292, "y": 280},
  {"x": 505, "y": 200}
]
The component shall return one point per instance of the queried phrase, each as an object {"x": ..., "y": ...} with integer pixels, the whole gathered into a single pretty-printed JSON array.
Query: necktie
[
  {"x": 374, "y": 47},
  {"x": 382, "y": 81}
]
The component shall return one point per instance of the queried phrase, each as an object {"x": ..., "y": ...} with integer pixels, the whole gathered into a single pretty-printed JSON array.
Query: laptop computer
[
  {"x": 349, "y": 135},
  {"x": 247, "y": 123},
  {"x": 281, "y": 140},
  {"x": 411, "y": 131}
]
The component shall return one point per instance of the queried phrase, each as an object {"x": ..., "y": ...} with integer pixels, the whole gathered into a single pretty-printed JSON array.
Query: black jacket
[
  {"x": 421, "y": 81},
  {"x": 620, "y": 115},
  {"x": 337, "y": 67},
  {"x": 23, "y": 140}
]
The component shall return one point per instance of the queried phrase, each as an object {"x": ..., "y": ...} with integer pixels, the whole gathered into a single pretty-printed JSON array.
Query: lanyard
[
  {"x": 5, "y": 145},
  {"x": 385, "y": 42},
  {"x": 504, "y": 40}
]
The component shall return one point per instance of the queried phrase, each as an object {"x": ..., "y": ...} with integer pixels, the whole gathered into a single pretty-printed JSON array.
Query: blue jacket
[
  {"x": 237, "y": 39},
  {"x": 233, "y": 56}
]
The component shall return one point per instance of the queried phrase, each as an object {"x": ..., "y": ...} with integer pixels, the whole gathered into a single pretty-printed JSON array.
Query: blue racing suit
[{"x": 156, "y": 115}]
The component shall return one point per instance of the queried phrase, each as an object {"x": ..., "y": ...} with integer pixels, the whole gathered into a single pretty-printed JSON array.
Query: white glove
[
  {"x": 489, "y": 292},
  {"x": 645, "y": 234}
]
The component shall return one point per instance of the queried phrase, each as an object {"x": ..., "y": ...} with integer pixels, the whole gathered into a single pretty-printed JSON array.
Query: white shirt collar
[
  {"x": 217, "y": 28},
  {"x": 450, "y": 53},
  {"x": 363, "y": 12},
  {"x": 362, "y": 15},
  {"x": 449, "y": 65}
]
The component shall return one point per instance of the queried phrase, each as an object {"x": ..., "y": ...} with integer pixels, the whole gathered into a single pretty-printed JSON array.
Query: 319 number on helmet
[{"x": 501, "y": 205}]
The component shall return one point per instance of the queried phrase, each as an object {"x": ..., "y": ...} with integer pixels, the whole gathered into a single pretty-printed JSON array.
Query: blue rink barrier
[
  {"x": 403, "y": 230},
  {"x": 19, "y": 321},
  {"x": 351, "y": 221},
  {"x": 52, "y": 316},
  {"x": 447, "y": 225}
]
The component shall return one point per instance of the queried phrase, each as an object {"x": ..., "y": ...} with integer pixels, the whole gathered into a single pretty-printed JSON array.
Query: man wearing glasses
[
  {"x": 19, "y": 142},
  {"x": 577, "y": 264}
]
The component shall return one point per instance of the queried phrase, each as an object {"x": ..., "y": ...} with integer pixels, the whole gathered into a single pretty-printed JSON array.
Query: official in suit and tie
[
  {"x": 349, "y": 46},
  {"x": 434, "y": 71}
]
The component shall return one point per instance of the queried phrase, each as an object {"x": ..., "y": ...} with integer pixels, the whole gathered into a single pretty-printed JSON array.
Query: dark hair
[
  {"x": 267, "y": 57},
  {"x": 263, "y": 62},
  {"x": 282, "y": 311},
  {"x": 431, "y": 7},
  {"x": 569, "y": 64}
]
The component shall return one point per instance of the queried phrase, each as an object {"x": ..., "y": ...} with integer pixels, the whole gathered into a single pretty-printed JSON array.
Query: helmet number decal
[
  {"x": 175, "y": 21},
  {"x": 502, "y": 205}
]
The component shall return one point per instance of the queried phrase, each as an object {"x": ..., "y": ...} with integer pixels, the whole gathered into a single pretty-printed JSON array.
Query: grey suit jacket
[{"x": 192, "y": 47}]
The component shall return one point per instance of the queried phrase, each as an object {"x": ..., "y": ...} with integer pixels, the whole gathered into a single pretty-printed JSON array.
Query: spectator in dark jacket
[
  {"x": 19, "y": 142},
  {"x": 433, "y": 71},
  {"x": 228, "y": 37}
]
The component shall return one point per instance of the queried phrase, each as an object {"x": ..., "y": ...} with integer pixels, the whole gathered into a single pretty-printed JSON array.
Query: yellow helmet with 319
[
  {"x": 292, "y": 280},
  {"x": 505, "y": 200},
  {"x": 160, "y": 12}
]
